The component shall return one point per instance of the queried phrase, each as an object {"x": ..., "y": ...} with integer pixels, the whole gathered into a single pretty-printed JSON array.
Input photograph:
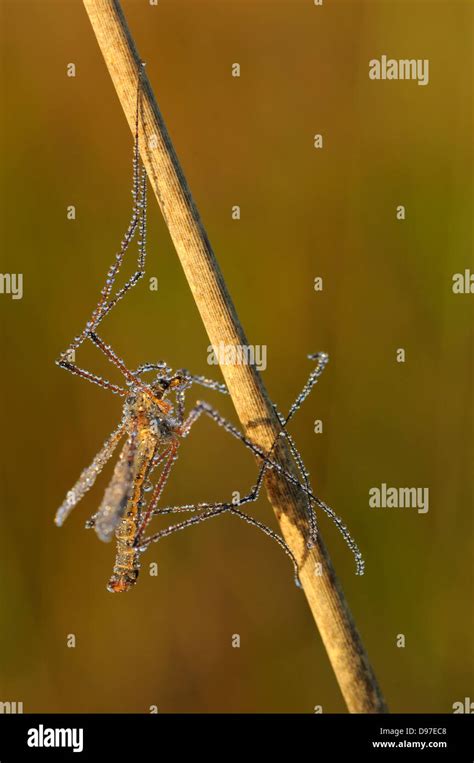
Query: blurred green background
[{"x": 304, "y": 213}]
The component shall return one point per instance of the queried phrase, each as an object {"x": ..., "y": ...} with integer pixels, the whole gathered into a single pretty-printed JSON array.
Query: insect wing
[
  {"x": 88, "y": 476},
  {"x": 117, "y": 493}
]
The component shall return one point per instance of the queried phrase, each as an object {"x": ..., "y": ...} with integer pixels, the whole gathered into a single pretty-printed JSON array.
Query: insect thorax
[{"x": 143, "y": 414}]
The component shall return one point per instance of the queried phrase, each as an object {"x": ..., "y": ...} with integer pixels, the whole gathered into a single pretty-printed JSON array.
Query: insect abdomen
[{"x": 127, "y": 565}]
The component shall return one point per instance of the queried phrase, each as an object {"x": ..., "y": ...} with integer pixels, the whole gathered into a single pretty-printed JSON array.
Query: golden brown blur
[{"x": 305, "y": 212}]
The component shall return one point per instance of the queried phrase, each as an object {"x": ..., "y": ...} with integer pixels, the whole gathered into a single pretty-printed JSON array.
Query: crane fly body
[{"x": 152, "y": 433}]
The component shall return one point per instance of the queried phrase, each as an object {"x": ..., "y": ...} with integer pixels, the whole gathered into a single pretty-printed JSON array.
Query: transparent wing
[
  {"x": 116, "y": 495},
  {"x": 89, "y": 476},
  {"x": 126, "y": 486}
]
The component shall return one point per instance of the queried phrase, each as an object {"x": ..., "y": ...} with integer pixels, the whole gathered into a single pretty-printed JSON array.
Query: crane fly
[{"x": 153, "y": 428}]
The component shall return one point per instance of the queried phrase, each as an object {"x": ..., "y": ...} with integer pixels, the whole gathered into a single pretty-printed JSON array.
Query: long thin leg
[
  {"x": 313, "y": 520},
  {"x": 191, "y": 419},
  {"x": 322, "y": 360},
  {"x": 219, "y": 507},
  {"x": 212, "y": 509},
  {"x": 129, "y": 375},
  {"x": 269, "y": 464},
  {"x": 251, "y": 521},
  {"x": 190, "y": 379},
  {"x": 180, "y": 405},
  {"x": 137, "y": 222},
  {"x": 203, "y": 381},
  {"x": 215, "y": 510},
  {"x": 106, "y": 302},
  {"x": 203, "y": 407},
  {"x": 158, "y": 490},
  {"x": 159, "y": 366},
  {"x": 160, "y": 456},
  {"x": 105, "y": 305},
  {"x": 92, "y": 377},
  {"x": 156, "y": 461}
]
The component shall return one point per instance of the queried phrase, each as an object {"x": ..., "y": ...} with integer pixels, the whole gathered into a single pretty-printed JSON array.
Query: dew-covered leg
[
  {"x": 131, "y": 377},
  {"x": 180, "y": 406},
  {"x": 191, "y": 419},
  {"x": 106, "y": 304},
  {"x": 268, "y": 463},
  {"x": 190, "y": 379},
  {"x": 214, "y": 510},
  {"x": 211, "y": 510},
  {"x": 156, "y": 461},
  {"x": 322, "y": 360},
  {"x": 252, "y": 521},
  {"x": 313, "y": 520},
  {"x": 160, "y": 365},
  {"x": 171, "y": 456},
  {"x": 104, "y": 383},
  {"x": 203, "y": 407},
  {"x": 137, "y": 223},
  {"x": 208, "y": 383}
]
